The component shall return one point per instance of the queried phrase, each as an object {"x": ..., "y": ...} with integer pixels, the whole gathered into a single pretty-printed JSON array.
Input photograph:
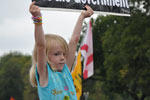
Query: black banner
[{"x": 114, "y": 7}]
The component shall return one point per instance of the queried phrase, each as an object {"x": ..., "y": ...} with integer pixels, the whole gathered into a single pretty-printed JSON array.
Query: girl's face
[{"x": 57, "y": 57}]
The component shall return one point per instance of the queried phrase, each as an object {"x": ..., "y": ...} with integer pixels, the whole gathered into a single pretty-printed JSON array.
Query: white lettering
[
  {"x": 83, "y": 1},
  {"x": 98, "y": 2},
  {"x": 106, "y": 2},
  {"x": 113, "y": 2},
  {"x": 126, "y": 3},
  {"x": 68, "y": 0},
  {"x": 117, "y": 3},
  {"x": 89, "y": 2},
  {"x": 63, "y": 0},
  {"x": 77, "y": 1},
  {"x": 121, "y": 3},
  {"x": 102, "y": 2},
  {"x": 110, "y": 2},
  {"x": 94, "y": 2}
]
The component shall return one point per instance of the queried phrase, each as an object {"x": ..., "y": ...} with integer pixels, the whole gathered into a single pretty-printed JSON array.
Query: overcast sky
[{"x": 17, "y": 29}]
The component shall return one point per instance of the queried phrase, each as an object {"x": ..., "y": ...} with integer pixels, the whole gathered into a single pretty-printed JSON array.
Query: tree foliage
[
  {"x": 122, "y": 57},
  {"x": 14, "y": 77}
]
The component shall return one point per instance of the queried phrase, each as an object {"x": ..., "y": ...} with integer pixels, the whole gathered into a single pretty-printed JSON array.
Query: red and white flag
[{"x": 87, "y": 52}]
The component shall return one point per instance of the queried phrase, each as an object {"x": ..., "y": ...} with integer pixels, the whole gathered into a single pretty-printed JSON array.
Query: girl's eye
[{"x": 56, "y": 54}]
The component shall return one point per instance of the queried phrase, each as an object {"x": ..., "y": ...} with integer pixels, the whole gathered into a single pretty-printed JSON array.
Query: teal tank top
[{"x": 60, "y": 85}]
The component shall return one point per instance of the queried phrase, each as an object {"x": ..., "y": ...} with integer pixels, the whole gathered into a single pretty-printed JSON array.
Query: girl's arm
[
  {"x": 76, "y": 35},
  {"x": 40, "y": 44}
]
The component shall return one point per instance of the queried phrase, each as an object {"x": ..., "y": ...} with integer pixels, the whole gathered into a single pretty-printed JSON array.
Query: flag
[
  {"x": 76, "y": 75},
  {"x": 87, "y": 52}
]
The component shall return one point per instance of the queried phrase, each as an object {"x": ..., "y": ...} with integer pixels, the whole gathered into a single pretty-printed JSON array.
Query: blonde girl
[{"x": 53, "y": 59}]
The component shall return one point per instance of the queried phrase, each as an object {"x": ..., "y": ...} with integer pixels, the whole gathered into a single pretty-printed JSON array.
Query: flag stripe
[
  {"x": 85, "y": 74},
  {"x": 89, "y": 60},
  {"x": 84, "y": 47}
]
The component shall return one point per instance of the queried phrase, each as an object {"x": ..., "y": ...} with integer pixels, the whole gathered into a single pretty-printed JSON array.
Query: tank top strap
[{"x": 37, "y": 74}]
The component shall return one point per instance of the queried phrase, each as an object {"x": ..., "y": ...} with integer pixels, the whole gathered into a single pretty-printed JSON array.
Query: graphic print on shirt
[
  {"x": 55, "y": 92},
  {"x": 72, "y": 93},
  {"x": 66, "y": 88},
  {"x": 66, "y": 98}
]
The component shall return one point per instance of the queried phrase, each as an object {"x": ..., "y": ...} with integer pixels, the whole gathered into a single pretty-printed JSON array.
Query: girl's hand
[
  {"x": 34, "y": 10},
  {"x": 88, "y": 12}
]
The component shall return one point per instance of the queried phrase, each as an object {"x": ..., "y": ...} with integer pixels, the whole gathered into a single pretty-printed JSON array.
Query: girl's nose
[{"x": 62, "y": 56}]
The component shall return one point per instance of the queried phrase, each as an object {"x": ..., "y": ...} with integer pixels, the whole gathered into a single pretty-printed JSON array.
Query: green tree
[
  {"x": 124, "y": 44},
  {"x": 121, "y": 56},
  {"x": 14, "y": 77},
  {"x": 10, "y": 77}
]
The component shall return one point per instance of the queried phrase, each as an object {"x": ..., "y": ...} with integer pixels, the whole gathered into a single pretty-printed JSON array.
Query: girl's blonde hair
[{"x": 51, "y": 41}]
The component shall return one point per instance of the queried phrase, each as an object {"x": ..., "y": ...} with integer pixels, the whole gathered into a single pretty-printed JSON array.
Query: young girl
[{"x": 53, "y": 59}]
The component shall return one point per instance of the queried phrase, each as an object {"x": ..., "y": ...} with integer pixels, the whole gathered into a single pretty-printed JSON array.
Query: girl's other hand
[
  {"x": 34, "y": 10},
  {"x": 89, "y": 12}
]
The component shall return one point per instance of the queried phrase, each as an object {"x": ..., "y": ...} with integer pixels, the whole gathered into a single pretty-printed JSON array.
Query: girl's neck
[{"x": 55, "y": 70}]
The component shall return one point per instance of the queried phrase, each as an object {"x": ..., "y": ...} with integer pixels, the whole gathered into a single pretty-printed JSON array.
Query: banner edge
[{"x": 95, "y": 12}]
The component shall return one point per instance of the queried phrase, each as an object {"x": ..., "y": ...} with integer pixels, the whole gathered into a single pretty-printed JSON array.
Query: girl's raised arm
[
  {"x": 40, "y": 44},
  {"x": 76, "y": 35}
]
